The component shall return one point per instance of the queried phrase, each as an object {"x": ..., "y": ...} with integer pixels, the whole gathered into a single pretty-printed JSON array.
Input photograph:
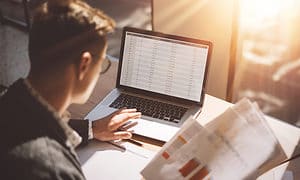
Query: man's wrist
[{"x": 90, "y": 130}]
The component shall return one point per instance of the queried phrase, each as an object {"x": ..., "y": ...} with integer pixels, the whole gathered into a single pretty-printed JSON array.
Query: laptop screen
[{"x": 164, "y": 65}]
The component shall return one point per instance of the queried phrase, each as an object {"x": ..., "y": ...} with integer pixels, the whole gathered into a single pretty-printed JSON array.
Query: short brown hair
[{"x": 63, "y": 29}]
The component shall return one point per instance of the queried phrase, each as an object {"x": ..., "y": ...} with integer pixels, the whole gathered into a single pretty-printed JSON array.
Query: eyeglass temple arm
[{"x": 111, "y": 58}]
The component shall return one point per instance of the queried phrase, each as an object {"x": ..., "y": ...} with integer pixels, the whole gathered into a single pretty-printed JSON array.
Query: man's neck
[{"x": 54, "y": 91}]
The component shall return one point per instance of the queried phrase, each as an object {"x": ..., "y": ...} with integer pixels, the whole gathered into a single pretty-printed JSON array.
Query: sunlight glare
[{"x": 255, "y": 12}]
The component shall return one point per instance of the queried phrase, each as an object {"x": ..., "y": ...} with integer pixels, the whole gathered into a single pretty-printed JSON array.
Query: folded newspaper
[{"x": 238, "y": 144}]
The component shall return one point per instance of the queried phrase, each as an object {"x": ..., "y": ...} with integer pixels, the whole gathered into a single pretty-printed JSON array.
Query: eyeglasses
[{"x": 105, "y": 65}]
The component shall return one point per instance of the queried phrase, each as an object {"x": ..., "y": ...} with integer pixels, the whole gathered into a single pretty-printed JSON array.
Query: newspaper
[{"x": 238, "y": 144}]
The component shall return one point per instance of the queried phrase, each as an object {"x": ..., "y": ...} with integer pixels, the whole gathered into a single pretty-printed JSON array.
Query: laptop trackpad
[
  {"x": 144, "y": 127},
  {"x": 154, "y": 130}
]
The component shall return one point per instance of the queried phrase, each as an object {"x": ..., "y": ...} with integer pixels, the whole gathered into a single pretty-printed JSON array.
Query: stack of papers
[{"x": 238, "y": 144}]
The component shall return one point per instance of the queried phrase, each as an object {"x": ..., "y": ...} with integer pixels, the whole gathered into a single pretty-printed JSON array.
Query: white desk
[{"x": 117, "y": 164}]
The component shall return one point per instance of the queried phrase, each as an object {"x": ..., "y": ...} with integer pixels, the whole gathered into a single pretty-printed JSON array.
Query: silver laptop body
[{"x": 165, "y": 72}]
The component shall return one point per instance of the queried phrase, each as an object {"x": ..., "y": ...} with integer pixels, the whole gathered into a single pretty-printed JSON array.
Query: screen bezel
[{"x": 155, "y": 94}]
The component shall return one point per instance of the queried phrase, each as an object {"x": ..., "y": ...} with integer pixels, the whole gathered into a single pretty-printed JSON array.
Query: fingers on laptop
[
  {"x": 123, "y": 118},
  {"x": 126, "y": 126},
  {"x": 124, "y": 110},
  {"x": 122, "y": 135}
]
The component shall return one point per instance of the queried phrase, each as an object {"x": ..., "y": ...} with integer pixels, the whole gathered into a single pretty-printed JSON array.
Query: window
[{"x": 268, "y": 70}]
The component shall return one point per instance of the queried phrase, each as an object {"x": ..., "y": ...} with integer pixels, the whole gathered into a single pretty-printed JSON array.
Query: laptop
[{"x": 163, "y": 76}]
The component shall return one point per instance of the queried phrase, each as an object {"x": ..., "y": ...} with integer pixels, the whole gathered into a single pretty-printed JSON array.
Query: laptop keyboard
[{"x": 147, "y": 107}]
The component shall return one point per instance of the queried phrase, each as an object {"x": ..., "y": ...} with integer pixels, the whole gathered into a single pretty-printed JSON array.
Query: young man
[{"x": 67, "y": 49}]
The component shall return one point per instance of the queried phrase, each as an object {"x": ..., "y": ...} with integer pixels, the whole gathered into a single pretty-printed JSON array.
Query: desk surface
[{"x": 287, "y": 135}]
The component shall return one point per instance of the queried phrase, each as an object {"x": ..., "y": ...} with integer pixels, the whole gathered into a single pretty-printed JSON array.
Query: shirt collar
[{"x": 73, "y": 138}]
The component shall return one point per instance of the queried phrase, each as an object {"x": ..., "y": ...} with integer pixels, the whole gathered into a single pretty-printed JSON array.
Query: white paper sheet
[
  {"x": 233, "y": 146},
  {"x": 101, "y": 160}
]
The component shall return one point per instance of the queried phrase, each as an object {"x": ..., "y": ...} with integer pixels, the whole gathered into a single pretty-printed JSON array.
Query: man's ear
[{"x": 84, "y": 64}]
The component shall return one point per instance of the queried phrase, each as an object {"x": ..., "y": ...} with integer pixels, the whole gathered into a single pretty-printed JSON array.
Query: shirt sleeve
[
  {"x": 83, "y": 128},
  {"x": 91, "y": 135}
]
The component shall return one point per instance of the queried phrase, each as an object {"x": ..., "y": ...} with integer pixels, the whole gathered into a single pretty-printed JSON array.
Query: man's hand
[{"x": 109, "y": 128}]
